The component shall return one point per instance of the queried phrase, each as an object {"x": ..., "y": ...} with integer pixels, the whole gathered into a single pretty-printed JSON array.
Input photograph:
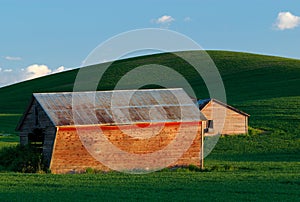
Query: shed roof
[
  {"x": 204, "y": 102},
  {"x": 119, "y": 107}
]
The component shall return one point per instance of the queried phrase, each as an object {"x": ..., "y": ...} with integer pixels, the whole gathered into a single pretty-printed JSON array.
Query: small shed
[
  {"x": 223, "y": 118},
  {"x": 67, "y": 128}
]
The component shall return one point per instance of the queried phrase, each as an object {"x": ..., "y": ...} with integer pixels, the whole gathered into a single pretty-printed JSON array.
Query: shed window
[{"x": 210, "y": 124}]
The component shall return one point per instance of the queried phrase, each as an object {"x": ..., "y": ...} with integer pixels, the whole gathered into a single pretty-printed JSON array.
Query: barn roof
[
  {"x": 204, "y": 102},
  {"x": 119, "y": 107}
]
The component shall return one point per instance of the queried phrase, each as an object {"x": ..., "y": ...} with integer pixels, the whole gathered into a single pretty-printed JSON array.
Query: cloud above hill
[
  {"x": 164, "y": 21},
  {"x": 12, "y": 58},
  {"x": 34, "y": 71},
  {"x": 10, "y": 76},
  {"x": 286, "y": 20}
]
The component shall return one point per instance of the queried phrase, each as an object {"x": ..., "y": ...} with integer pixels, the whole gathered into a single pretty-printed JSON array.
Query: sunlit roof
[{"x": 119, "y": 107}]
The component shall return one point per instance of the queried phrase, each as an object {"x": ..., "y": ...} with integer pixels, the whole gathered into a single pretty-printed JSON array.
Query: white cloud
[
  {"x": 10, "y": 76},
  {"x": 286, "y": 20},
  {"x": 165, "y": 19},
  {"x": 7, "y": 70},
  {"x": 12, "y": 58},
  {"x": 187, "y": 19},
  {"x": 34, "y": 71},
  {"x": 59, "y": 69}
]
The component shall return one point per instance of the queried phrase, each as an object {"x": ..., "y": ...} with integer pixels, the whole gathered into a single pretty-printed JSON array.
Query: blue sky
[{"x": 39, "y": 37}]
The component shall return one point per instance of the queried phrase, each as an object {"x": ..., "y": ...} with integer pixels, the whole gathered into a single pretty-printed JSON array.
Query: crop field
[
  {"x": 263, "y": 165},
  {"x": 277, "y": 184}
]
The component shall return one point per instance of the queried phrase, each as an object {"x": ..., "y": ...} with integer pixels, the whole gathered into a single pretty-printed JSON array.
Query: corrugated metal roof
[
  {"x": 119, "y": 107},
  {"x": 204, "y": 102}
]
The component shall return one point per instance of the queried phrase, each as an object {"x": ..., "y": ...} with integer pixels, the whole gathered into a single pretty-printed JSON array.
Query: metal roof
[
  {"x": 119, "y": 107},
  {"x": 204, "y": 102}
]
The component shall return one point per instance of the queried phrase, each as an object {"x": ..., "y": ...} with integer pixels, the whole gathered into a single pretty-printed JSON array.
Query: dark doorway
[{"x": 36, "y": 138}]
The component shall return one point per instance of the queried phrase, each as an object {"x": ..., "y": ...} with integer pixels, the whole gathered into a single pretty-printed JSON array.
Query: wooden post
[{"x": 202, "y": 145}]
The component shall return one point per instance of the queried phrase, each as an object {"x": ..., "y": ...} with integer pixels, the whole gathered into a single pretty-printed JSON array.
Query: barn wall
[
  {"x": 27, "y": 125},
  {"x": 37, "y": 118},
  {"x": 235, "y": 123},
  {"x": 70, "y": 155}
]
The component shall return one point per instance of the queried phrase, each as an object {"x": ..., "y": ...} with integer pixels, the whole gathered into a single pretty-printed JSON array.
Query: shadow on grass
[{"x": 25, "y": 159}]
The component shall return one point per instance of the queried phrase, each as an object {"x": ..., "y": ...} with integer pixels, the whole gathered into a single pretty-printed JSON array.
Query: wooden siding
[
  {"x": 70, "y": 155},
  {"x": 36, "y": 118},
  {"x": 235, "y": 123}
]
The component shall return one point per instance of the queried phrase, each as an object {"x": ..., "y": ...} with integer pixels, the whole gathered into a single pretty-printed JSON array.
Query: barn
[
  {"x": 120, "y": 129},
  {"x": 223, "y": 118}
]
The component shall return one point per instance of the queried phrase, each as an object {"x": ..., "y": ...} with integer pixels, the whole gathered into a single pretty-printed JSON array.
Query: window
[{"x": 210, "y": 124}]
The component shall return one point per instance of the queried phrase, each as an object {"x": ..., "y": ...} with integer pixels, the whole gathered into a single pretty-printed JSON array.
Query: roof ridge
[
  {"x": 118, "y": 90},
  {"x": 206, "y": 101}
]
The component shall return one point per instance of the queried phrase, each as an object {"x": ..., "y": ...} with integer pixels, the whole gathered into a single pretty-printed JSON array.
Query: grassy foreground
[{"x": 164, "y": 186}]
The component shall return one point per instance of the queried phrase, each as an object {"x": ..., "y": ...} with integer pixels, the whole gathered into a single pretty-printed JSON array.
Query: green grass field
[
  {"x": 242, "y": 185},
  {"x": 258, "y": 166}
]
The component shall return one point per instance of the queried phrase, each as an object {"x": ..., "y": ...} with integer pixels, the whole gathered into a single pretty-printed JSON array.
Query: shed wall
[
  {"x": 235, "y": 123},
  {"x": 36, "y": 118},
  {"x": 70, "y": 155}
]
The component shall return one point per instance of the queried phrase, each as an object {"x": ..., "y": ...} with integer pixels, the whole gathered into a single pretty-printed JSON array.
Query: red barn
[{"x": 80, "y": 130}]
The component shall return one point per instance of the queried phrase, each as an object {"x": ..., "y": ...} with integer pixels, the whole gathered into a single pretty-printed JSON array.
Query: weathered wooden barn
[
  {"x": 67, "y": 127},
  {"x": 223, "y": 118}
]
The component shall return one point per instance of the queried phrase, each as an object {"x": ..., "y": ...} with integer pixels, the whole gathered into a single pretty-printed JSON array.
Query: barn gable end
[
  {"x": 236, "y": 121},
  {"x": 36, "y": 122}
]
